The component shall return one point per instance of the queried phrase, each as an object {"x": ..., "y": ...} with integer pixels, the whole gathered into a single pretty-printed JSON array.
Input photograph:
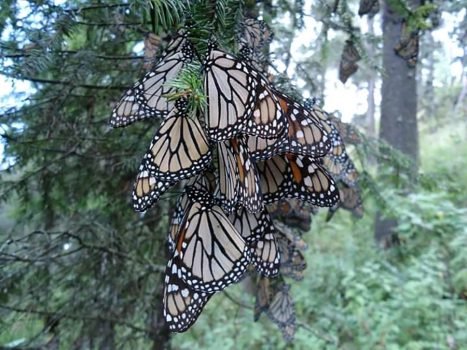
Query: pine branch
[
  {"x": 108, "y": 24},
  {"x": 97, "y": 7},
  {"x": 104, "y": 57},
  {"x": 66, "y": 83}
]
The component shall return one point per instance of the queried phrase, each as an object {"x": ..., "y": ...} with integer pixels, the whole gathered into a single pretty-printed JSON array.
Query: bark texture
[{"x": 398, "y": 107}]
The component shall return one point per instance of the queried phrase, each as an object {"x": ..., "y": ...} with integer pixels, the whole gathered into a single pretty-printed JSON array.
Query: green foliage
[
  {"x": 189, "y": 84},
  {"x": 73, "y": 250}
]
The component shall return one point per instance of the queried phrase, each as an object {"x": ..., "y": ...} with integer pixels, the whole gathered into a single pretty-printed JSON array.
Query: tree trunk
[
  {"x": 160, "y": 333},
  {"x": 430, "y": 109},
  {"x": 398, "y": 108},
  {"x": 370, "y": 113}
]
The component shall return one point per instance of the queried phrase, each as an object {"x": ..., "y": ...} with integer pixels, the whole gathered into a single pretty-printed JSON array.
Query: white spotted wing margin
[
  {"x": 240, "y": 100},
  {"x": 180, "y": 148},
  {"x": 266, "y": 256},
  {"x": 210, "y": 253},
  {"x": 259, "y": 232},
  {"x": 182, "y": 305},
  {"x": 147, "y": 189},
  {"x": 300, "y": 177},
  {"x": 231, "y": 88},
  {"x": 147, "y": 97}
]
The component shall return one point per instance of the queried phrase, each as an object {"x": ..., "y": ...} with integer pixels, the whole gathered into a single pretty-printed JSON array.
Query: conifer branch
[
  {"x": 67, "y": 83},
  {"x": 104, "y": 57}
]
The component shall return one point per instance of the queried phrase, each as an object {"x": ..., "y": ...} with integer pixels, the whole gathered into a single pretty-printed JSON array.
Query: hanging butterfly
[
  {"x": 299, "y": 177},
  {"x": 348, "y": 132},
  {"x": 239, "y": 99},
  {"x": 261, "y": 149},
  {"x": 238, "y": 178},
  {"x": 147, "y": 189},
  {"x": 255, "y": 59},
  {"x": 293, "y": 262},
  {"x": 341, "y": 168},
  {"x": 259, "y": 233},
  {"x": 349, "y": 58},
  {"x": 203, "y": 182},
  {"x": 209, "y": 253},
  {"x": 281, "y": 311},
  {"x": 284, "y": 230},
  {"x": 337, "y": 161},
  {"x": 265, "y": 255},
  {"x": 180, "y": 149},
  {"x": 263, "y": 296},
  {"x": 408, "y": 45},
  {"x": 370, "y": 7},
  {"x": 254, "y": 34},
  {"x": 305, "y": 134},
  {"x": 182, "y": 305},
  {"x": 292, "y": 212},
  {"x": 251, "y": 226},
  {"x": 319, "y": 115},
  {"x": 350, "y": 199},
  {"x": 147, "y": 97}
]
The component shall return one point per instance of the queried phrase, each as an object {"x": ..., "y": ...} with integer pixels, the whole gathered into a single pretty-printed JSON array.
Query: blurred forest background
[{"x": 80, "y": 270}]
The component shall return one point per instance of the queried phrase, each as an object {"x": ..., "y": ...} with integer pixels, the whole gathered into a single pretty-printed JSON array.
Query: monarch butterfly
[
  {"x": 350, "y": 199},
  {"x": 255, "y": 34},
  {"x": 265, "y": 254},
  {"x": 255, "y": 59},
  {"x": 293, "y": 262},
  {"x": 147, "y": 96},
  {"x": 285, "y": 231},
  {"x": 180, "y": 148},
  {"x": 238, "y": 178},
  {"x": 147, "y": 189},
  {"x": 209, "y": 252},
  {"x": 182, "y": 305},
  {"x": 258, "y": 231},
  {"x": 239, "y": 99},
  {"x": 261, "y": 148},
  {"x": 319, "y": 115},
  {"x": 203, "y": 182},
  {"x": 299, "y": 177},
  {"x": 349, "y": 58},
  {"x": 263, "y": 296},
  {"x": 305, "y": 134},
  {"x": 408, "y": 45},
  {"x": 347, "y": 132},
  {"x": 281, "y": 311},
  {"x": 292, "y": 212},
  {"x": 342, "y": 168},
  {"x": 252, "y": 226}
]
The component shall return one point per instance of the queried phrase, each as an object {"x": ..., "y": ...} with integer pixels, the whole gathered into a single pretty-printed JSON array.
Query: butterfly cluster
[{"x": 251, "y": 146}]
